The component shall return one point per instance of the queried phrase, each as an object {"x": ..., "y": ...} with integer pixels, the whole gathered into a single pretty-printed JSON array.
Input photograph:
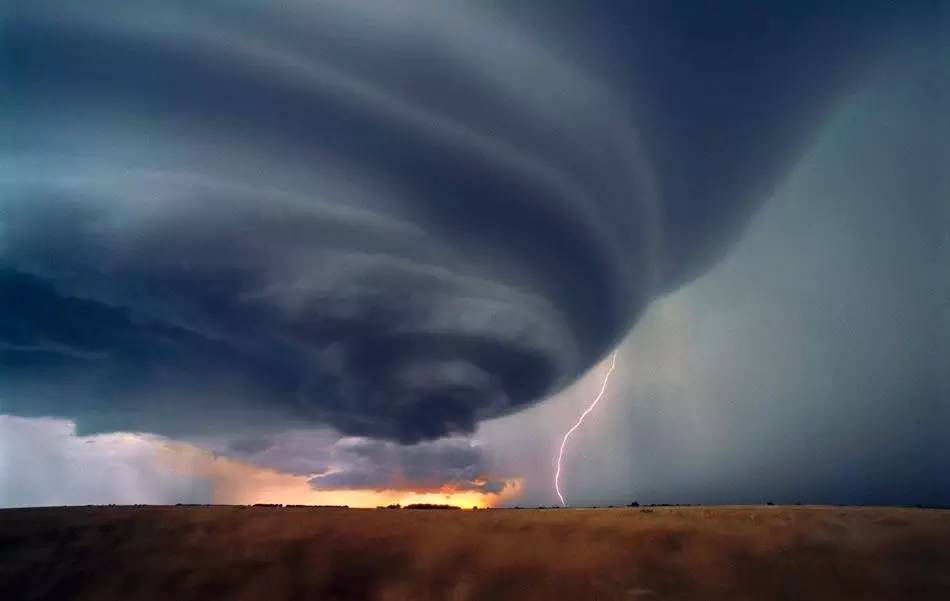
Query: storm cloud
[
  {"x": 453, "y": 463},
  {"x": 394, "y": 218},
  {"x": 331, "y": 462}
]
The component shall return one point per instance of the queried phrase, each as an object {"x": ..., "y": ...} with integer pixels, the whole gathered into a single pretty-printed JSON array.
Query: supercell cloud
[{"x": 394, "y": 218}]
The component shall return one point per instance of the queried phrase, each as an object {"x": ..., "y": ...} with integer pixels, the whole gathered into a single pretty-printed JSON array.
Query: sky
[{"x": 364, "y": 253}]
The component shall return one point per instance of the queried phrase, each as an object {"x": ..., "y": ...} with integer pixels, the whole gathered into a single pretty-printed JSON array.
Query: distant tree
[
  {"x": 634, "y": 504},
  {"x": 769, "y": 503},
  {"x": 431, "y": 506}
]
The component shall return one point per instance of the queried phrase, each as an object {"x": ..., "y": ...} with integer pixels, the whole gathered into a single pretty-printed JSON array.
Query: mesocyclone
[{"x": 397, "y": 219}]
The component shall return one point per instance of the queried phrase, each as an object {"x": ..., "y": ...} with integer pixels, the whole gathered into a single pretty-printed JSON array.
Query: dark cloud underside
[{"x": 394, "y": 218}]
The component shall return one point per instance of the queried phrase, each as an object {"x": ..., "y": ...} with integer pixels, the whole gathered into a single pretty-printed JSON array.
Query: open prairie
[{"x": 735, "y": 553}]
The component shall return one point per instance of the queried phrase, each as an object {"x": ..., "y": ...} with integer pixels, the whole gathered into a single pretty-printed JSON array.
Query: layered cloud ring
[{"x": 395, "y": 218}]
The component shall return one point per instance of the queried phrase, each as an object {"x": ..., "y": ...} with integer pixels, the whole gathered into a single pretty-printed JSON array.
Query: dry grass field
[{"x": 734, "y": 553}]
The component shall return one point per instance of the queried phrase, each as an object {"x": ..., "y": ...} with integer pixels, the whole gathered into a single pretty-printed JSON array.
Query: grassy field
[{"x": 734, "y": 553}]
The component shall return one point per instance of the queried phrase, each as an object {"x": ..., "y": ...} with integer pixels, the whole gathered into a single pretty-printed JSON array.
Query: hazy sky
[{"x": 372, "y": 247}]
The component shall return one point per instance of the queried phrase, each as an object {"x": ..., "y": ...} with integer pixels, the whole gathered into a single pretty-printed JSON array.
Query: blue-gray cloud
[
  {"x": 454, "y": 462},
  {"x": 397, "y": 219},
  {"x": 333, "y": 462}
]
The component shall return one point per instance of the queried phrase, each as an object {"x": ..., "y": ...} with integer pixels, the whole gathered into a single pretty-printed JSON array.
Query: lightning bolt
[{"x": 580, "y": 420}]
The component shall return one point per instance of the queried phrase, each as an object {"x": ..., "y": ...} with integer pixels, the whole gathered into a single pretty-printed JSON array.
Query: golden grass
[{"x": 734, "y": 553}]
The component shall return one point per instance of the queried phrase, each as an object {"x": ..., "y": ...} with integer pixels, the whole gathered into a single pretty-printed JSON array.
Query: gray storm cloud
[
  {"x": 332, "y": 462},
  {"x": 395, "y": 218},
  {"x": 452, "y": 462}
]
